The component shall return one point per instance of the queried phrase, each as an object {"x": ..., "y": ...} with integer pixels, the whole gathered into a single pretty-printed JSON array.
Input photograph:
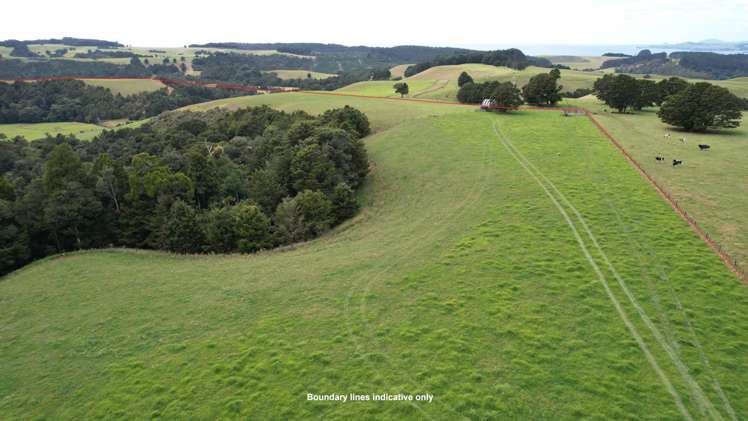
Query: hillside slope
[
  {"x": 440, "y": 82},
  {"x": 461, "y": 278}
]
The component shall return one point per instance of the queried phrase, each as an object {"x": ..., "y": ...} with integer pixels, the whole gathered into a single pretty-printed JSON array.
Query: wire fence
[
  {"x": 729, "y": 261},
  {"x": 165, "y": 81}
]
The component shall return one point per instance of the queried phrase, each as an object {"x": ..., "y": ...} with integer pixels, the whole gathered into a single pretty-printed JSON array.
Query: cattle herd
[{"x": 676, "y": 162}]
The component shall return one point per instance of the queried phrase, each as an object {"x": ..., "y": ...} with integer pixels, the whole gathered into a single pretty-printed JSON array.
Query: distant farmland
[
  {"x": 300, "y": 74},
  {"x": 444, "y": 79},
  {"x": 127, "y": 86}
]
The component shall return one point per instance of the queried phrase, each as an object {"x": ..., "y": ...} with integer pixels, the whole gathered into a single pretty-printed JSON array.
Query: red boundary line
[
  {"x": 703, "y": 234},
  {"x": 731, "y": 264},
  {"x": 182, "y": 82}
]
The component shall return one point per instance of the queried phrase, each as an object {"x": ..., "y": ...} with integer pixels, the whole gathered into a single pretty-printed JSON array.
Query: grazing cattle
[
  {"x": 660, "y": 158},
  {"x": 682, "y": 140},
  {"x": 677, "y": 162},
  {"x": 704, "y": 146}
]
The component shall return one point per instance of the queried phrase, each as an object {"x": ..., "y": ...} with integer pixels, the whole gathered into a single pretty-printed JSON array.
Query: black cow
[
  {"x": 660, "y": 158},
  {"x": 677, "y": 162},
  {"x": 704, "y": 146}
]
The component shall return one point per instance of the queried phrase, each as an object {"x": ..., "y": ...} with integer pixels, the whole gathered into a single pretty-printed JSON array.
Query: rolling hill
[
  {"x": 512, "y": 266},
  {"x": 440, "y": 82}
]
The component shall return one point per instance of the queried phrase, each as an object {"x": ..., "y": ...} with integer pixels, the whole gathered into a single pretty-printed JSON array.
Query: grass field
[
  {"x": 443, "y": 80},
  {"x": 712, "y": 186},
  {"x": 300, "y": 74},
  {"x": 35, "y": 131},
  {"x": 127, "y": 86},
  {"x": 384, "y": 88},
  {"x": 579, "y": 62},
  {"x": 82, "y": 131},
  {"x": 515, "y": 267},
  {"x": 399, "y": 70},
  {"x": 383, "y": 113}
]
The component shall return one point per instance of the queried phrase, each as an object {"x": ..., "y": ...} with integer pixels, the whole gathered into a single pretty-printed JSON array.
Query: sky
[{"x": 380, "y": 23}]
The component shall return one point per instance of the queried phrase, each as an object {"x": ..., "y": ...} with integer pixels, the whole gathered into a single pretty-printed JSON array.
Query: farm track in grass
[
  {"x": 705, "y": 404},
  {"x": 634, "y": 333},
  {"x": 458, "y": 278}
]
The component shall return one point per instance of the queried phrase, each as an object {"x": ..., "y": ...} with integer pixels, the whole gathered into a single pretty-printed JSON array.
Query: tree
[
  {"x": 111, "y": 179},
  {"x": 348, "y": 119},
  {"x": 252, "y": 228},
  {"x": 71, "y": 212},
  {"x": 182, "y": 232},
  {"x": 344, "y": 202},
  {"x": 401, "y": 88},
  {"x": 463, "y": 79},
  {"x": 668, "y": 87},
  {"x": 702, "y": 106},
  {"x": 618, "y": 91},
  {"x": 648, "y": 94},
  {"x": 62, "y": 165},
  {"x": 316, "y": 211},
  {"x": 220, "y": 230},
  {"x": 506, "y": 94},
  {"x": 542, "y": 89},
  {"x": 135, "y": 61},
  {"x": 14, "y": 248},
  {"x": 311, "y": 169},
  {"x": 289, "y": 222}
]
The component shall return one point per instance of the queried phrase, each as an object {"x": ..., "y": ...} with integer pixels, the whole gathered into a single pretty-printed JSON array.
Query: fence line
[
  {"x": 729, "y": 261},
  {"x": 182, "y": 82}
]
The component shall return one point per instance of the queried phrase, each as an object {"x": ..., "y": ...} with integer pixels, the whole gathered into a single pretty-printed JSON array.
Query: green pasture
[
  {"x": 443, "y": 80},
  {"x": 383, "y": 113},
  {"x": 514, "y": 266},
  {"x": 300, "y": 74},
  {"x": 385, "y": 88},
  {"x": 127, "y": 86},
  {"x": 33, "y": 131},
  {"x": 711, "y": 185}
]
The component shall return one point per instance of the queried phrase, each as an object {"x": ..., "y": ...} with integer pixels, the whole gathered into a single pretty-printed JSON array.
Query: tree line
[
  {"x": 15, "y": 69},
  {"x": 685, "y": 63},
  {"x": 75, "y": 42},
  {"x": 692, "y": 106},
  {"x": 74, "y": 100},
  {"x": 542, "y": 89},
  {"x": 333, "y": 58},
  {"x": 218, "y": 181},
  {"x": 512, "y": 58}
]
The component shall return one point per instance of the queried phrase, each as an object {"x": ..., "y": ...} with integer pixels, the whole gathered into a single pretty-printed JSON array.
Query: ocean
[{"x": 589, "y": 50}]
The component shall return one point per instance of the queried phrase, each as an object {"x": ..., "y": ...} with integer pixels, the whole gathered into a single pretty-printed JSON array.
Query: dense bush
[
  {"x": 187, "y": 182},
  {"x": 717, "y": 66},
  {"x": 19, "y": 69},
  {"x": 74, "y": 100}
]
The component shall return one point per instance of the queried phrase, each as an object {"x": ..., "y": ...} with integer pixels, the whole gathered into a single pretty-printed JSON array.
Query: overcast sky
[{"x": 380, "y": 23}]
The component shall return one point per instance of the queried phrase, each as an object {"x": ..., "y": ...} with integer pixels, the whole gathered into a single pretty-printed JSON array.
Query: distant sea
[{"x": 587, "y": 50}]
